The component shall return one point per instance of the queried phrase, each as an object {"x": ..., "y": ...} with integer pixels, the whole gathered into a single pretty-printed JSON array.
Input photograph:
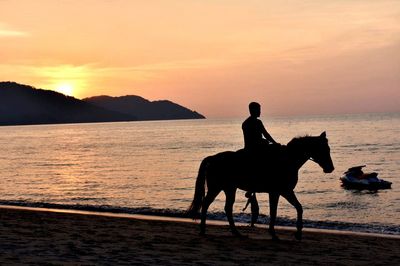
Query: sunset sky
[{"x": 212, "y": 56}]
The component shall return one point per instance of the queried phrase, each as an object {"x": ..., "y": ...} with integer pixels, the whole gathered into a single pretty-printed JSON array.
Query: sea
[{"x": 150, "y": 168}]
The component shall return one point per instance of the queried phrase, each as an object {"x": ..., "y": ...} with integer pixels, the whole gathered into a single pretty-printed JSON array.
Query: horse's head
[{"x": 320, "y": 153}]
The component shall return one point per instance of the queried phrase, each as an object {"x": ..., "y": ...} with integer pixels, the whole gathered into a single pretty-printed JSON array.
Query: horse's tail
[{"x": 199, "y": 192}]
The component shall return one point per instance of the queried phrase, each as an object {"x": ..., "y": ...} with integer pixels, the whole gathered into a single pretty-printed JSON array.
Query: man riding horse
[
  {"x": 275, "y": 173},
  {"x": 256, "y": 138}
]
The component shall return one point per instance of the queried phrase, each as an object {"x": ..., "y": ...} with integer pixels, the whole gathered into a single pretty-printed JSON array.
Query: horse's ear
[{"x": 323, "y": 135}]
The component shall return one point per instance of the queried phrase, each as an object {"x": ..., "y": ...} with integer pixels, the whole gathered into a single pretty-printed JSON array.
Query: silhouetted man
[
  {"x": 254, "y": 130},
  {"x": 255, "y": 138}
]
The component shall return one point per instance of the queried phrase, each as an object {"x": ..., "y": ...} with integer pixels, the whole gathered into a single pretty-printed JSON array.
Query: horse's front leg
[
  {"x": 273, "y": 207},
  {"x": 230, "y": 200},
  {"x": 292, "y": 199}
]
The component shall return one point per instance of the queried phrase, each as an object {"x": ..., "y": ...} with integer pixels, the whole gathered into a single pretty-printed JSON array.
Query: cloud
[{"x": 7, "y": 32}]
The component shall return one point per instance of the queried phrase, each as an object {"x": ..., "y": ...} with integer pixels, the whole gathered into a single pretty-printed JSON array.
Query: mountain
[
  {"x": 144, "y": 109},
  {"x": 22, "y": 104}
]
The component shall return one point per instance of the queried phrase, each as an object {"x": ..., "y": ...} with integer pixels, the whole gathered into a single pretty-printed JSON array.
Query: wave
[{"x": 378, "y": 228}]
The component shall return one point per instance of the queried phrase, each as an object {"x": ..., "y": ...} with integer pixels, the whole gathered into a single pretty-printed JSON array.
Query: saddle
[{"x": 272, "y": 153}]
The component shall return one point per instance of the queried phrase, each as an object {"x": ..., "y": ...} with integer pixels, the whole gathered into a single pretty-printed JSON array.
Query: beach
[{"x": 43, "y": 236}]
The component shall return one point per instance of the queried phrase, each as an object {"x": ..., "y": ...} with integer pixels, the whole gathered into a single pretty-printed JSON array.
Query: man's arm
[{"x": 267, "y": 136}]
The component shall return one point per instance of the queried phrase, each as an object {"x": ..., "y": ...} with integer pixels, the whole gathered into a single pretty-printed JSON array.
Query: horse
[{"x": 274, "y": 171}]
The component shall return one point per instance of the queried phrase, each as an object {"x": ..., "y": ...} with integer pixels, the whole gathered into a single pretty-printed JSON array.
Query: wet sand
[{"x": 29, "y": 236}]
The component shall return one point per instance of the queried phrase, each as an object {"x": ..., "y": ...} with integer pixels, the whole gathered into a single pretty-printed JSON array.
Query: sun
[{"x": 65, "y": 89}]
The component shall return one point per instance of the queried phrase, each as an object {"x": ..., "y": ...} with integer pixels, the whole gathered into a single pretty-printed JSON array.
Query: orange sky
[{"x": 213, "y": 56}]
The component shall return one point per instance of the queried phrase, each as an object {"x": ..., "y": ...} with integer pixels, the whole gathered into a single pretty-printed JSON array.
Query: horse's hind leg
[
  {"x": 230, "y": 200},
  {"x": 292, "y": 199},
  {"x": 208, "y": 199},
  {"x": 273, "y": 207}
]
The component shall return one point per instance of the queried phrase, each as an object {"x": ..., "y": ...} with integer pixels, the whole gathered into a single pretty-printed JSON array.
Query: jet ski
[{"x": 355, "y": 178}]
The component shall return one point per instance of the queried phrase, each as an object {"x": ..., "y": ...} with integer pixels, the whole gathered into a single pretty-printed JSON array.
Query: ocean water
[{"x": 151, "y": 167}]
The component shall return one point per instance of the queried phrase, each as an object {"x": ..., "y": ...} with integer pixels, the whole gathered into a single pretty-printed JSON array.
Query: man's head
[{"x": 255, "y": 109}]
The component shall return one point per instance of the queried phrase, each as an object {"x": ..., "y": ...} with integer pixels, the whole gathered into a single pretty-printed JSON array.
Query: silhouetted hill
[
  {"x": 144, "y": 109},
  {"x": 22, "y": 104}
]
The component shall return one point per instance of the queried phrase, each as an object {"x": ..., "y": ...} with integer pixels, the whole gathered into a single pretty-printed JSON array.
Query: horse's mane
[{"x": 299, "y": 141}]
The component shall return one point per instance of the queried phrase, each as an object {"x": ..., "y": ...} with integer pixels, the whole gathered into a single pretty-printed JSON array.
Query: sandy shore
[{"x": 46, "y": 237}]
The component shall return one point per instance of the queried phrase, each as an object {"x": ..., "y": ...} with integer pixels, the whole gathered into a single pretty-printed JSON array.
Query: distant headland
[{"x": 25, "y": 105}]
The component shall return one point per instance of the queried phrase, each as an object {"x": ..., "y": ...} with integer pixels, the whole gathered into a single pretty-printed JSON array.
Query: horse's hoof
[
  {"x": 273, "y": 235},
  {"x": 298, "y": 235}
]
